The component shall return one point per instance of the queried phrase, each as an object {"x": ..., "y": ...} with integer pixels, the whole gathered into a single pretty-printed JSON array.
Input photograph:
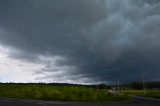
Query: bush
[{"x": 63, "y": 93}]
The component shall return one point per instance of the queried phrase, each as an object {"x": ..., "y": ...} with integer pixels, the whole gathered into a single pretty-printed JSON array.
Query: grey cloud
[{"x": 110, "y": 39}]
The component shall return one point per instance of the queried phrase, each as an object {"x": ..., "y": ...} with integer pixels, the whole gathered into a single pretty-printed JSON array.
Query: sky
[{"x": 79, "y": 41}]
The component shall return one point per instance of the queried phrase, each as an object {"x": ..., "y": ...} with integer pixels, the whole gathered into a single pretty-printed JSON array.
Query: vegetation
[
  {"x": 154, "y": 94},
  {"x": 152, "y": 89},
  {"x": 139, "y": 85},
  {"x": 74, "y": 92},
  {"x": 60, "y": 93},
  {"x": 147, "y": 93}
]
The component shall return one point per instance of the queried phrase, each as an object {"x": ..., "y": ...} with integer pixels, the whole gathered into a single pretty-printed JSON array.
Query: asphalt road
[{"x": 137, "y": 101}]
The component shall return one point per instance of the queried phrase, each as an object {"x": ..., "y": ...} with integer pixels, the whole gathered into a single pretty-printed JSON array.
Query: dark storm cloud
[
  {"x": 109, "y": 39},
  {"x": 39, "y": 25}
]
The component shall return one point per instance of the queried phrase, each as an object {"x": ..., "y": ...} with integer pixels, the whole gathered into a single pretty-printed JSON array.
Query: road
[{"x": 137, "y": 101}]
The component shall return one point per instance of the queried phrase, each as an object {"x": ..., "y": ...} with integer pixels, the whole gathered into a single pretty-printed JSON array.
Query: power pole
[
  {"x": 144, "y": 90},
  {"x": 114, "y": 89},
  {"x": 97, "y": 84},
  {"x": 97, "y": 87},
  {"x": 118, "y": 87}
]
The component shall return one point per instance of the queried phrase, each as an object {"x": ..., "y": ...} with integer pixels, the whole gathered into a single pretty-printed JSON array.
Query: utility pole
[
  {"x": 118, "y": 87},
  {"x": 97, "y": 84},
  {"x": 144, "y": 90},
  {"x": 115, "y": 88},
  {"x": 97, "y": 87}
]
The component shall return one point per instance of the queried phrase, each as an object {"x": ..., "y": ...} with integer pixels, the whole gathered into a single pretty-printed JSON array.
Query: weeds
[{"x": 60, "y": 93}]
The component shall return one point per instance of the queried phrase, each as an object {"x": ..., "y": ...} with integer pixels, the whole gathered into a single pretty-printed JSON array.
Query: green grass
[
  {"x": 60, "y": 93},
  {"x": 148, "y": 93},
  {"x": 155, "y": 94}
]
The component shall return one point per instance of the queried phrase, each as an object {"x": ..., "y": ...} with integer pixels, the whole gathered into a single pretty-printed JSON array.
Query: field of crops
[{"x": 60, "y": 93}]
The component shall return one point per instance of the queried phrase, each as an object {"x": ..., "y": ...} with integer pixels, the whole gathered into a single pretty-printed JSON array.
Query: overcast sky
[{"x": 79, "y": 41}]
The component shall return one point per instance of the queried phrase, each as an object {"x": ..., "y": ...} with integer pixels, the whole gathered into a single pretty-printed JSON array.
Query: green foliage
[
  {"x": 61, "y": 93},
  {"x": 148, "y": 93},
  {"x": 155, "y": 94}
]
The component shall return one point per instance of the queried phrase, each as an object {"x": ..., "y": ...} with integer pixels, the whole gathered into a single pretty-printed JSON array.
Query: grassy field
[
  {"x": 148, "y": 93},
  {"x": 60, "y": 93}
]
